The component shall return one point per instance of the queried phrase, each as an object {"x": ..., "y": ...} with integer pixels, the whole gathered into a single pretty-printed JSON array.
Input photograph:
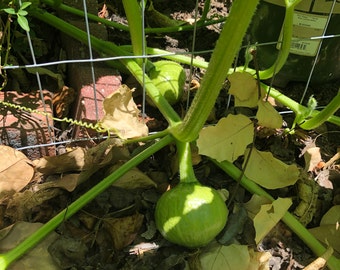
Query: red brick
[
  {"x": 106, "y": 83},
  {"x": 25, "y": 129}
]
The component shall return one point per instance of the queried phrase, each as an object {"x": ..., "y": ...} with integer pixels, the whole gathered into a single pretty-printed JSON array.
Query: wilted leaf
[
  {"x": 269, "y": 216},
  {"x": 65, "y": 181},
  {"x": 38, "y": 257},
  {"x": 123, "y": 230},
  {"x": 16, "y": 170},
  {"x": 132, "y": 179},
  {"x": 312, "y": 157},
  {"x": 270, "y": 172},
  {"x": 88, "y": 161},
  {"x": 121, "y": 114},
  {"x": 216, "y": 257},
  {"x": 243, "y": 87},
  {"x": 228, "y": 139},
  {"x": 267, "y": 116},
  {"x": 70, "y": 161}
]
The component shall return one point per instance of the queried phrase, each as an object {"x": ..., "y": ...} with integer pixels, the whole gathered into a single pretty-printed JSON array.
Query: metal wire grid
[{"x": 144, "y": 56}]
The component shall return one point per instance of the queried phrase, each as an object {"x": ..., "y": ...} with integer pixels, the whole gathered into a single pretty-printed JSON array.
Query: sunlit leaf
[
  {"x": 25, "y": 5},
  {"x": 267, "y": 116},
  {"x": 269, "y": 215},
  {"x": 23, "y": 23},
  {"x": 121, "y": 114},
  {"x": 270, "y": 172},
  {"x": 22, "y": 12},
  {"x": 243, "y": 87},
  {"x": 9, "y": 10},
  {"x": 228, "y": 139}
]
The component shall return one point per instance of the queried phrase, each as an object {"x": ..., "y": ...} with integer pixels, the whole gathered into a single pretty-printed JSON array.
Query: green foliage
[{"x": 21, "y": 14}]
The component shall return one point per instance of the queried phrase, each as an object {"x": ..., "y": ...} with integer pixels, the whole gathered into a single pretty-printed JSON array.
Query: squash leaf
[
  {"x": 228, "y": 139},
  {"x": 269, "y": 215},
  {"x": 243, "y": 87},
  {"x": 268, "y": 171},
  {"x": 267, "y": 116},
  {"x": 231, "y": 257}
]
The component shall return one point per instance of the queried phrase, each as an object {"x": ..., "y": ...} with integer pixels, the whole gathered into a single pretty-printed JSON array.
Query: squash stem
[
  {"x": 186, "y": 171},
  {"x": 221, "y": 60}
]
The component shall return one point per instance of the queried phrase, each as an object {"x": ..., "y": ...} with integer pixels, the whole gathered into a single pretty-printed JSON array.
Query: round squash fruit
[
  {"x": 190, "y": 215},
  {"x": 169, "y": 77}
]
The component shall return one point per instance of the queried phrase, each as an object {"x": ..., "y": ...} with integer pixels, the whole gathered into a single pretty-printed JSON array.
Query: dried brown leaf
[{"x": 16, "y": 170}]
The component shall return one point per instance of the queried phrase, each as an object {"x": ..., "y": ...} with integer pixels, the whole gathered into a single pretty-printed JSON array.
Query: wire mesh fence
[{"x": 314, "y": 57}]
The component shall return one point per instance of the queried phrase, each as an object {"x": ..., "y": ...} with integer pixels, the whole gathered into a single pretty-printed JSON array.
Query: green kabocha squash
[
  {"x": 169, "y": 77},
  {"x": 190, "y": 215}
]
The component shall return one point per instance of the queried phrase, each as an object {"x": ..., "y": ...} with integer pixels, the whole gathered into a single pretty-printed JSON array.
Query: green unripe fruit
[
  {"x": 190, "y": 215},
  {"x": 169, "y": 77}
]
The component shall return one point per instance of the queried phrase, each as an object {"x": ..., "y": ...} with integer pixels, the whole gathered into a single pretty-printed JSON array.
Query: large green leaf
[
  {"x": 269, "y": 172},
  {"x": 228, "y": 139}
]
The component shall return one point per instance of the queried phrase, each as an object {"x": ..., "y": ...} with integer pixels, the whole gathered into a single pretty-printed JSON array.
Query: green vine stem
[
  {"x": 333, "y": 263},
  {"x": 156, "y": 30},
  {"x": 221, "y": 60},
  {"x": 133, "y": 14},
  {"x": 186, "y": 171},
  {"x": 324, "y": 115},
  {"x": 7, "y": 258},
  {"x": 286, "y": 42},
  {"x": 112, "y": 49}
]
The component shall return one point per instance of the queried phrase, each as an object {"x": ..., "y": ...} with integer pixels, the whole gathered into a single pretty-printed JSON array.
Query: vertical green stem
[
  {"x": 223, "y": 55},
  {"x": 186, "y": 171},
  {"x": 7, "y": 258},
  {"x": 286, "y": 42},
  {"x": 133, "y": 14}
]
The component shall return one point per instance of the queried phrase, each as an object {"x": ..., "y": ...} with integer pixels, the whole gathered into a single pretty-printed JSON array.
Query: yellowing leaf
[
  {"x": 121, "y": 114},
  {"x": 270, "y": 172},
  {"x": 332, "y": 216},
  {"x": 228, "y": 139},
  {"x": 243, "y": 87},
  {"x": 269, "y": 216},
  {"x": 16, "y": 170},
  {"x": 216, "y": 257},
  {"x": 267, "y": 116},
  {"x": 327, "y": 234}
]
